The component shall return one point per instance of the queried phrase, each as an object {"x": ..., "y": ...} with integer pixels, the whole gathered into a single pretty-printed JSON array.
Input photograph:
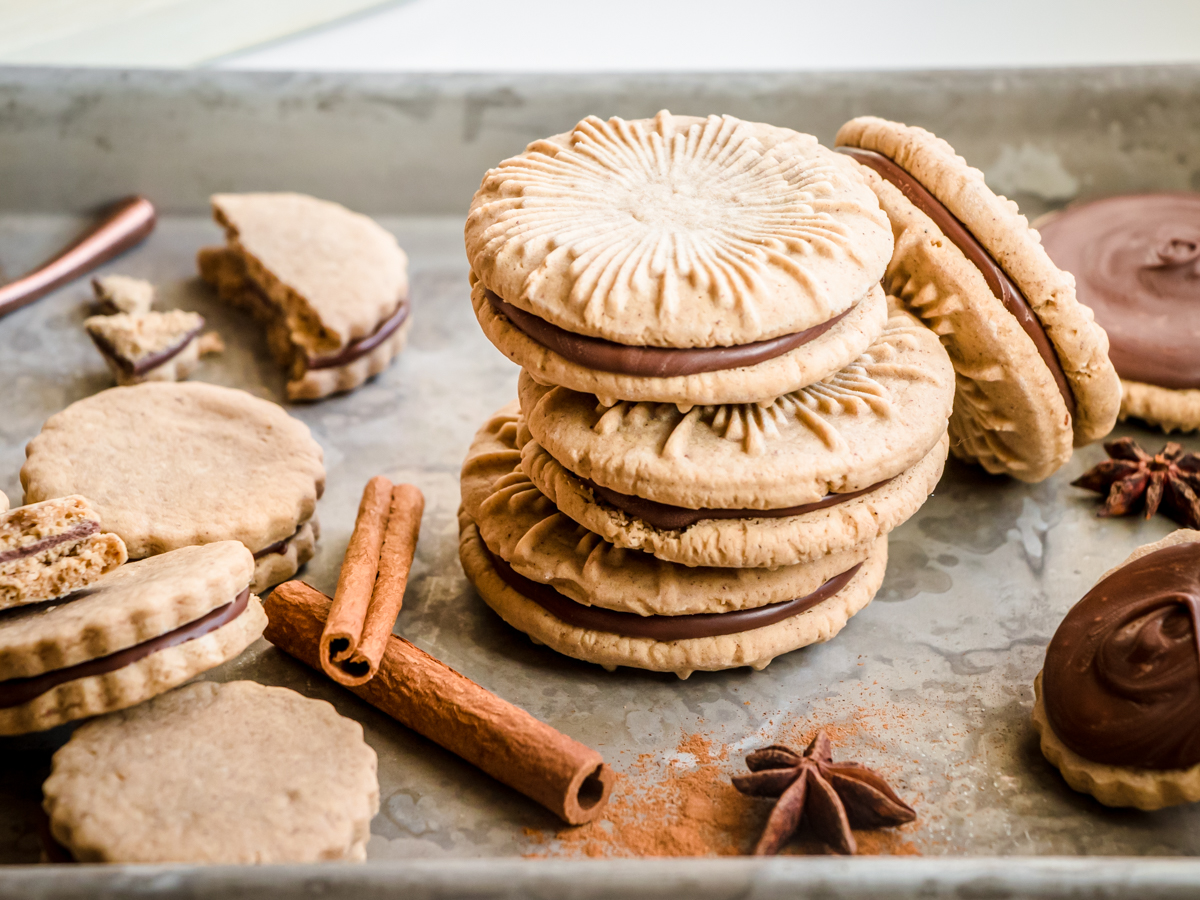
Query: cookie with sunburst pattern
[{"x": 678, "y": 259}]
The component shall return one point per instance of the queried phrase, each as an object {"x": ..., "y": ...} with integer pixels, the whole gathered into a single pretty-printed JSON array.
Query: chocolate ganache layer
[
  {"x": 652, "y": 362},
  {"x": 664, "y": 628},
  {"x": 146, "y": 363},
  {"x": 1002, "y": 286},
  {"x": 668, "y": 518},
  {"x": 16, "y": 691},
  {"x": 1121, "y": 682},
  {"x": 1136, "y": 262},
  {"x": 75, "y": 533}
]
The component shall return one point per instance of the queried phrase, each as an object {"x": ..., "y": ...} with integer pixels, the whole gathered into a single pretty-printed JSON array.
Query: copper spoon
[{"x": 126, "y": 224}]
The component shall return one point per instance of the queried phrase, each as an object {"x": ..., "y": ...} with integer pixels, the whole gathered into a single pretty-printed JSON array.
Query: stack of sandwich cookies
[
  {"x": 330, "y": 285},
  {"x": 721, "y": 415},
  {"x": 169, "y": 465},
  {"x": 51, "y": 549},
  {"x": 140, "y": 630},
  {"x": 1136, "y": 262},
  {"x": 1032, "y": 365}
]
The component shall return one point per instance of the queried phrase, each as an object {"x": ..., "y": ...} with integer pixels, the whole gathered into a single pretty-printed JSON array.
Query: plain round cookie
[
  {"x": 169, "y": 465},
  {"x": 677, "y": 231},
  {"x": 216, "y": 773},
  {"x": 1009, "y": 416},
  {"x": 876, "y": 418},
  {"x": 1170, "y": 410},
  {"x": 755, "y": 648},
  {"x": 133, "y": 604},
  {"x": 764, "y": 381}
]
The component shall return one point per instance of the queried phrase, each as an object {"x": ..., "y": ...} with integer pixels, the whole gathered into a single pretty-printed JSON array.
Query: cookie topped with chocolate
[
  {"x": 1119, "y": 695},
  {"x": 1136, "y": 262},
  {"x": 1034, "y": 375},
  {"x": 678, "y": 259}
]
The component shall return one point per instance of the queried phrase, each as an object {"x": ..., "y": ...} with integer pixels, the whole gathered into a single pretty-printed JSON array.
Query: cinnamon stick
[
  {"x": 356, "y": 582},
  {"x": 565, "y": 776}
]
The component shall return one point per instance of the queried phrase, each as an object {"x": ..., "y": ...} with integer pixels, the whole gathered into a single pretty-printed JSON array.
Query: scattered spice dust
[{"x": 686, "y": 808}]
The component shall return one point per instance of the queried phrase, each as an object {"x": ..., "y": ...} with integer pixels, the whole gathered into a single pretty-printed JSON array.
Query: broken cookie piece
[
  {"x": 53, "y": 548},
  {"x": 122, "y": 294},
  {"x": 330, "y": 285},
  {"x": 156, "y": 346}
]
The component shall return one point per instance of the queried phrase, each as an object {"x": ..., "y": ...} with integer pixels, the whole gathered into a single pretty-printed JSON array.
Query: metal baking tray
[{"x": 932, "y": 682}]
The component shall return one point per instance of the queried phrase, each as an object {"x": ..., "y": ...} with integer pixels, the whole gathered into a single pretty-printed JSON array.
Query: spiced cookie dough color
[
  {"x": 1034, "y": 377},
  {"x": 1136, "y": 262},
  {"x": 1118, "y": 699},
  {"x": 168, "y": 465},
  {"x": 678, "y": 259}
]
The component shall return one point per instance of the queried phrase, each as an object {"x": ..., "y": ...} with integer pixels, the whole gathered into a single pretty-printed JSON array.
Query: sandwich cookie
[
  {"x": 1136, "y": 262},
  {"x": 568, "y": 588},
  {"x": 830, "y": 466},
  {"x": 215, "y": 773},
  {"x": 152, "y": 346},
  {"x": 1118, "y": 699},
  {"x": 52, "y": 548},
  {"x": 330, "y": 285},
  {"x": 678, "y": 259},
  {"x": 167, "y": 465},
  {"x": 1034, "y": 378},
  {"x": 140, "y": 630}
]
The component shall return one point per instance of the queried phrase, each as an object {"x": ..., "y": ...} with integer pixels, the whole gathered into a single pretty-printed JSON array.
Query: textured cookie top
[
  {"x": 522, "y": 526},
  {"x": 215, "y": 773},
  {"x": 131, "y": 604},
  {"x": 335, "y": 266},
  {"x": 867, "y": 423},
  {"x": 136, "y": 338},
  {"x": 167, "y": 465},
  {"x": 996, "y": 222},
  {"x": 678, "y": 231}
]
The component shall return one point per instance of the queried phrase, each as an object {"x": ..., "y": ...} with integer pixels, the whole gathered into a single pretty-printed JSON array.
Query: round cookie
[
  {"x": 169, "y": 465},
  {"x": 1033, "y": 369},
  {"x": 139, "y": 631},
  {"x": 629, "y": 258},
  {"x": 1136, "y": 262},
  {"x": 215, "y": 773},
  {"x": 756, "y": 647},
  {"x": 876, "y": 418},
  {"x": 1118, "y": 700},
  {"x": 520, "y": 526}
]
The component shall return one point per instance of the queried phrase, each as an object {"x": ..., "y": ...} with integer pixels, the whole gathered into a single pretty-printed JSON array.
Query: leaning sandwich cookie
[
  {"x": 1118, "y": 698},
  {"x": 1136, "y": 262},
  {"x": 215, "y": 773},
  {"x": 167, "y": 465},
  {"x": 151, "y": 346},
  {"x": 330, "y": 285},
  {"x": 678, "y": 259},
  {"x": 142, "y": 629},
  {"x": 1032, "y": 365}
]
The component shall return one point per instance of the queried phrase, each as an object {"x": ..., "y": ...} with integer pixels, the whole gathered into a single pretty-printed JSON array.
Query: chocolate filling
[
  {"x": 1121, "y": 683},
  {"x": 1136, "y": 262},
  {"x": 75, "y": 533},
  {"x": 16, "y": 691},
  {"x": 146, "y": 363},
  {"x": 652, "y": 362},
  {"x": 1003, "y": 287},
  {"x": 664, "y": 516},
  {"x": 664, "y": 628},
  {"x": 278, "y": 546},
  {"x": 360, "y": 348}
]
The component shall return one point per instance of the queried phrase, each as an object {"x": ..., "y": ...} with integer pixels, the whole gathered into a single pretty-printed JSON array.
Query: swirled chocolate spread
[
  {"x": 16, "y": 691},
  {"x": 652, "y": 362},
  {"x": 1121, "y": 683},
  {"x": 664, "y": 628},
  {"x": 1003, "y": 287},
  {"x": 1136, "y": 262},
  {"x": 667, "y": 517}
]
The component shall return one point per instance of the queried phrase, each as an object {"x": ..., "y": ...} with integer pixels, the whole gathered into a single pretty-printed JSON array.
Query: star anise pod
[
  {"x": 1170, "y": 479},
  {"x": 834, "y": 797}
]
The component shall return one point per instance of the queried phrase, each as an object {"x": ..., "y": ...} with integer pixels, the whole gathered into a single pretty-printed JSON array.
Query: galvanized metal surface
[{"x": 932, "y": 682}]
